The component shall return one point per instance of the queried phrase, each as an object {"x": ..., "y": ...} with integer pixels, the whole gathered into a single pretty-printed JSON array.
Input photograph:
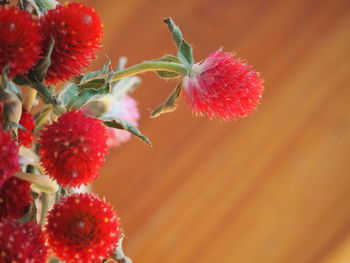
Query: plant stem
[
  {"x": 31, "y": 96},
  {"x": 150, "y": 66},
  {"x": 45, "y": 206}
]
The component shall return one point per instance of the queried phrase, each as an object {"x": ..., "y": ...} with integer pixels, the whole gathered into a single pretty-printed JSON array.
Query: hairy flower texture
[
  {"x": 9, "y": 160},
  {"x": 14, "y": 198},
  {"x": 25, "y": 137},
  {"x": 22, "y": 243},
  {"x": 20, "y": 40},
  {"x": 77, "y": 30},
  {"x": 73, "y": 148},
  {"x": 82, "y": 228},
  {"x": 223, "y": 86},
  {"x": 126, "y": 109}
]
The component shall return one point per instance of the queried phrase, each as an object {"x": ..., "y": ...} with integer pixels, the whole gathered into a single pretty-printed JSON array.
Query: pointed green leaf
[
  {"x": 93, "y": 75},
  {"x": 117, "y": 123},
  {"x": 8, "y": 84},
  {"x": 44, "y": 92},
  {"x": 45, "y": 5},
  {"x": 170, "y": 104},
  {"x": 21, "y": 80},
  {"x": 167, "y": 58},
  {"x": 41, "y": 68},
  {"x": 184, "y": 49},
  {"x": 168, "y": 75}
]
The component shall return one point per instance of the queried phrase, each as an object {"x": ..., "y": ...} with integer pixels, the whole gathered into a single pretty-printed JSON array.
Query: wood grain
[{"x": 271, "y": 188}]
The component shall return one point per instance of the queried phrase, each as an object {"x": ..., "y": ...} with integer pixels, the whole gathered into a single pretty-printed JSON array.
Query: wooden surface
[{"x": 271, "y": 188}]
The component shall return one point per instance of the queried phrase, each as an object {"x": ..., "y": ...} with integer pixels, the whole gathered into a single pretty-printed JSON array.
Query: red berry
[
  {"x": 77, "y": 30},
  {"x": 82, "y": 228},
  {"x": 223, "y": 86},
  {"x": 9, "y": 161},
  {"x": 14, "y": 198},
  {"x": 22, "y": 242},
  {"x": 20, "y": 40},
  {"x": 25, "y": 137},
  {"x": 73, "y": 148}
]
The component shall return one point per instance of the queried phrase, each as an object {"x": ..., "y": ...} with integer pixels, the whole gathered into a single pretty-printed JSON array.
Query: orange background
[{"x": 271, "y": 188}]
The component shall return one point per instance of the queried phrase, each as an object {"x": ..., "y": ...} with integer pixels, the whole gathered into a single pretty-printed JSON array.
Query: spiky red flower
[
  {"x": 82, "y": 228},
  {"x": 20, "y": 40},
  {"x": 77, "y": 30},
  {"x": 22, "y": 242},
  {"x": 223, "y": 86},
  {"x": 25, "y": 137},
  {"x": 73, "y": 148},
  {"x": 14, "y": 198},
  {"x": 9, "y": 161}
]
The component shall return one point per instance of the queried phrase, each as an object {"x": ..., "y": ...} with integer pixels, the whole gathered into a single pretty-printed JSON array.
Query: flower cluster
[{"x": 48, "y": 154}]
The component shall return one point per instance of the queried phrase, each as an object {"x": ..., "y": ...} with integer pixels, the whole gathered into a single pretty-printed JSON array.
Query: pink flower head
[
  {"x": 126, "y": 109},
  {"x": 223, "y": 86}
]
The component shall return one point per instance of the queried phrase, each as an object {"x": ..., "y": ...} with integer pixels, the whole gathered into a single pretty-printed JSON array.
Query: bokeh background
[{"x": 270, "y": 188}]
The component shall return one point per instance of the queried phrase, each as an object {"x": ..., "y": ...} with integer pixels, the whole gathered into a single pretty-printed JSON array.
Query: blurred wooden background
[{"x": 271, "y": 188}]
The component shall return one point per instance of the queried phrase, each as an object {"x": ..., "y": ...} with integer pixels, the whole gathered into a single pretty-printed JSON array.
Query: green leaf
[
  {"x": 87, "y": 87},
  {"x": 44, "y": 92},
  {"x": 117, "y": 123},
  {"x": 21, "y": 80},
  {"x": 168, "y": 75},
  {"x": 41, "y": 68},
  {"x": 89, "y": 91},
  {"x": 170, "y": 104},
  {"x": 8, "y": 84},
  {"x": 41, "y": 182},
  {"x": 167, "y": 58},
  {"x": 184, "y": 49},
  {"x": 45, "y": 5},
  {"x": 93, "y": 75}
]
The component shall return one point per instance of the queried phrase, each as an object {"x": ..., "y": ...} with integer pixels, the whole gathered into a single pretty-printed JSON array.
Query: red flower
[
  {"x": 72, "y": 149},
  {"x": 9, "y": 161},
  {"x": 82, "y": 228},
  {"x": 223, "y": 86},
  {"x": 21, "y": 242},
  {"x": 20, "y": 40},
  {"x": 77, "y": 30},
  {"x": 14, "y": 198},
  {"x": 27, "y": 121}
]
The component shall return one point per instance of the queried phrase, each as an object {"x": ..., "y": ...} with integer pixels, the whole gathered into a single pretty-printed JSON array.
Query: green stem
[
  {"x": 150, "y": 66},
  {"x": 45, "y": 201}
]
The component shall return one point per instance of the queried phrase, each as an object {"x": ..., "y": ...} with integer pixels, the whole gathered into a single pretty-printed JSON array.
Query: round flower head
[
  {"x": 82, "y": 228},
  {"x": 25, "y": 137},
  {"x": 223, "y": 86},
  {"x": 22, "y": 242},
  {"x": 14, "y": 198},
  {"x": 73, "y": 148},
  {"x": 77, "y": 30},
  {"x": 9, "y": 161},
  {"x": 20, "y": 40}
]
